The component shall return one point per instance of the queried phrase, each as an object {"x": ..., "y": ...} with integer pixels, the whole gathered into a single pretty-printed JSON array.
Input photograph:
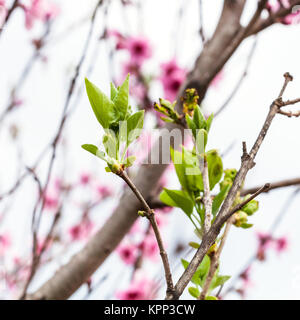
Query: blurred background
[{"x": 39, "y": 50}]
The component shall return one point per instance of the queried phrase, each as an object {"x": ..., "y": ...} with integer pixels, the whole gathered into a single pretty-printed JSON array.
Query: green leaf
[
  {"x": 218, "y": 281},
  {"x": 135, "y": 125},
  {"x": 201, "y": 141},
  {"x": 94, "y": 150},
  {"x": 110, "y": 142},
  {"x": 246, "y": 225},
  {"x": 215, "y": 167},
  {"x": 209, "y": 121},
  {"x": 187, "y": 169},
  {"x": 219, "y": 198},
  {"x": 191, "y": 124},
  {"x": 121, "y": 99},
  {"x": 251, "y": 207},
  {"x": 128, "y": 162},
  {"x": 184, "y": 263},
  {"x": 194, "y": 245},
  {"x": 103, "y": 107},
  {"x": 194, "y": 292},
  {"x": 203, "y": 269},
  {"x": 177, "y": 198},
  {"x": 211, "y": 298},
  {"x": 199, "y": 119},
  {"x": 113, "y": 91}
]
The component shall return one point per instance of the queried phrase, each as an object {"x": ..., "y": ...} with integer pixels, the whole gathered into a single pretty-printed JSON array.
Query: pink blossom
[
  {"x": 172, "y": 85},
  {"x": 139, "y": 49},
  {"x": 5, "y": 242},
  {"x": 104, "y": 191},
  {"x": 51, "y": 202},
  {"x": 139, "y": 289},
  {"x": 172, "y": 77},
  {"x": 84, "y": 178},
  {"x": 121, "y": 40},
  {"x": 169, "y": 68},
  {"x": 281, "y": 244},
  {"x": 150, "y": 247},
  {"x": 81, "y": 230},
  {"x": 265, "y": 242},
  {"x": 3, "y": 12},
  {"x": 42, "y": 10},
  {"x": 274, "y": 5},
  {"x": 245, "y": 276},
  {"x": 128, "y": 253}
]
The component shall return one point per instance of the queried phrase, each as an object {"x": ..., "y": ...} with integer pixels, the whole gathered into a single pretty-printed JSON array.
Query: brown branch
[
  {"x": 273, "y": 18},
  {"x": 149, "y": 213},
  {"x": 8, "y": 14},
  {"x": 225, "y": 211},
  {"x": 274, "y": 185}
]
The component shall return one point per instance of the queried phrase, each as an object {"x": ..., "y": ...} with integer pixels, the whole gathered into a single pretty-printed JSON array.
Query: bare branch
[{"x": 149, "y": 213}]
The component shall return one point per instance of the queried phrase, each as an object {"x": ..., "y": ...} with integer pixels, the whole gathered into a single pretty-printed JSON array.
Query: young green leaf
[
  {"x": 94, "y": 150},
  {"x": 121, "y": 99},
  {"x": 113, "y": 91},
  {"x": 219, "y": 198},
  {"x": 194, "y": 292},
  {"x": 209, "y": 121},
  {"x": 251, "y": 207},
  {"x": 215, "y": 167},
  {"x": 218, "y": 281},
  {"x": 211, "y": 298},
  {"x": 177, "y": 198},
  {"x": 191, "y": 124},
  {"x": 187, "y": 170},
  {"x": 201, "y": 141},
  {"x": 134, "y": 126},
  {"x": 110, "y": 142},
  {"x": 103, "y": 107},
  {"x": 198, "y": 118}
]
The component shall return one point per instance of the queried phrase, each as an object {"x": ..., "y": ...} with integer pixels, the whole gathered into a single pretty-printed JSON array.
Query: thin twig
[
  {"x": 238, "y": 207},
  {"x": 149, "y": 213},
  {"x": 8, "y": 15},
  {"x": 273, "y": 186}
]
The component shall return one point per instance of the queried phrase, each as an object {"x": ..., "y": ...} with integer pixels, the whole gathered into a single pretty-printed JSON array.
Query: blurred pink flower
[
  {"x": 84, "y": 178},
  {"x": 274, "y": 5},
  {"x": 121, "y": 40},
  {"x": 172, "y": 76},
  {"x": 42, "y": 10},
  {"x": 150, "y": 247},
  {"x": 104, "y": 191},
  {"x": 281, "y": 244},
  {"x": 5, "y": 242},
  {"x": 81, "y": 230},
  {"x": 245, "y": 276},
  {"x": 3, "y": 12},
  {"x": 139, "y": 289},
  {"x": 139, "y": 49},
  {"x": 128, "y": 253},
  {"x": 51, "y": 202}
]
